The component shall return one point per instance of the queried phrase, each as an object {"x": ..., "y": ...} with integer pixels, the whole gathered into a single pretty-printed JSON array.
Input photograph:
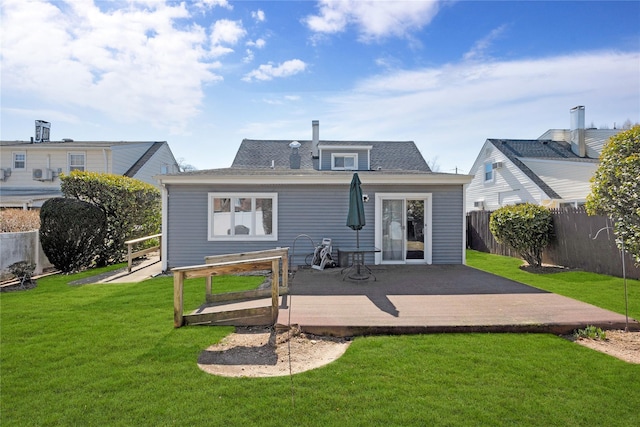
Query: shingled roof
[
  {"x": 275, "y": 154},
  {"x": 517, "y": 149}
]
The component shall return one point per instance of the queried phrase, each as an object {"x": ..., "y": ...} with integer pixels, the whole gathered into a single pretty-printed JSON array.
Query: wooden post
[
  {"x": 208, "y": 281},
  {"x": 178, "y": 284},
  {"x": 285, "y": 269},
  {"x": 129, "y": 259},
  {"x": 275, "y": 284}
]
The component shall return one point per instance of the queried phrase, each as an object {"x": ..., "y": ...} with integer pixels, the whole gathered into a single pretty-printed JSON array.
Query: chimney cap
[{"x": 294, "y": 144}]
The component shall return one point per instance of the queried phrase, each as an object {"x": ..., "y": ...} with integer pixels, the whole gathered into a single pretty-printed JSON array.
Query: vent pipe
[
  {"x": 294, "y": 157},
  {"x": 578, "y": 144},
  {"x": 315, "y": 138}
]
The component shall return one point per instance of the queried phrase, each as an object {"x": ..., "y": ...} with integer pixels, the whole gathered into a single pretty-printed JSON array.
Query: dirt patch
[
  {"x": 263, "y": 352},
  {"x": 623, "y": 345},
  {"x": 546, "y": 269}
]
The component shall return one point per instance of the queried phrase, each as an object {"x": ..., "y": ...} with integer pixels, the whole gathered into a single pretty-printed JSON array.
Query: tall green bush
[
  {"x": 615, "y": 188},
  {"x": 132, "y": 208},
  {"x": 71, "y": 233},
  {"x": 526, "y": 228}
]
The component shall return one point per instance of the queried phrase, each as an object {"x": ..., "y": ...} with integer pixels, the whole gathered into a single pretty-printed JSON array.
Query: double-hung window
[
  {"x": 488, "y": 172},
  {"x": 344, "y": 161},
  {"x": 243, "y": 216},
  {"x": 77, "y": 162},
  {"x": 19, "y": 160}
]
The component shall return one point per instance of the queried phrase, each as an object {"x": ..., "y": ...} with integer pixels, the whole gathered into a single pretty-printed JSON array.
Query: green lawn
[{"x": 108, "y": 355}]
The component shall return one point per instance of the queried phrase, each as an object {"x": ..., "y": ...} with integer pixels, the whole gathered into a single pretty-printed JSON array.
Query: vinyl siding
[
  {"x": 510, "y": 184},
  {"x": 316, "y": 211},
  {"x": 570, "y": 180},
  {"x": 125, "y": 156},
  {"x": 154, "y": 165},
  {"x": 38, "y": 157},
  {"x": 363, "y": 158}
]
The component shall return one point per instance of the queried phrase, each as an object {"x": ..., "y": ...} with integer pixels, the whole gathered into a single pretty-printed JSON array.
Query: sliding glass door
[{"x": 403, "y": 229}]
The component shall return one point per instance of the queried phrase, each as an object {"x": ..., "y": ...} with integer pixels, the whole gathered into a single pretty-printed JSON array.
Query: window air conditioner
[{"x": 496, "y": 165}]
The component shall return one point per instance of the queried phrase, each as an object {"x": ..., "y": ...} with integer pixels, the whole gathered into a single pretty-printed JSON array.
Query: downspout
[
  {"x": 165, "y": 240},
  {"x": 106, "y": 160},
  {"x": 464, "y": 224}
]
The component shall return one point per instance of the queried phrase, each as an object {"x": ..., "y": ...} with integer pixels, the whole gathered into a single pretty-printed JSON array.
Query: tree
[
  {"x": 71, "y": 233},
  {"x": 527, "y": 228},
  {"x": 615, "y": 188},
  {"x": 132, "y": 208}
]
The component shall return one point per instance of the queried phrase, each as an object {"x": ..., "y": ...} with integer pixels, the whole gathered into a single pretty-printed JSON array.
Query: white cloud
[
  {"x": 373, "y": 19},
  {"x": 451, "y": 110},
  {"x": 248, "y": 57},
  {"x": 268, "y": 71},
  {"x": 227, "y": 32},
  {"x": 479, "y": 49},
  {"x": 258, "y": 15},
  {"x": 208, "y": 4},
  {"x": 133, "y": 64},
  {"x": 259, "y": 43}
]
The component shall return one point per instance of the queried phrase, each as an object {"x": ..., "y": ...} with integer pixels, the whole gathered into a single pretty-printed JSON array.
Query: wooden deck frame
[{"x": 275, "y": 260}]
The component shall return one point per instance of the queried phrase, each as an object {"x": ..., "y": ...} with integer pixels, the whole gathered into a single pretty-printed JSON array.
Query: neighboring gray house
[
  {"x": 30, "y": 170},
  {"x": 278, "y": 190},
  {"x": 554, "y": 170}
]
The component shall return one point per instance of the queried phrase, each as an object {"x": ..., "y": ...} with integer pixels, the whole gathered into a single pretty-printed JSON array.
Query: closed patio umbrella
[{"x": 355, "y": 218}]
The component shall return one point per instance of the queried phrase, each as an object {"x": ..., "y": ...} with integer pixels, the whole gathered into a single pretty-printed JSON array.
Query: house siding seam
[{"x": 316, "y": 211}]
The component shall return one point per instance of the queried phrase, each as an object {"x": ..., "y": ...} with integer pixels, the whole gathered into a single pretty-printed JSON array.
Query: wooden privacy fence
[
  {"x": 131, "y": 255},
  {"x": 275, "y": 260},
  {"x": 574, "y": 244}
]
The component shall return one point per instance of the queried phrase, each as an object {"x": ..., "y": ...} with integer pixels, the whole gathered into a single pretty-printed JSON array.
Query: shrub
[
  {"x": 591, "y": 332},
  {"x": 527, "y": 228},
  {"x": 615, "y": 189},
  {"x": 23, "y": 271},
  {"x": 131, "y": 207},
  {"x": 71, "y": 233},
  {"x": 15, "y": 220}
]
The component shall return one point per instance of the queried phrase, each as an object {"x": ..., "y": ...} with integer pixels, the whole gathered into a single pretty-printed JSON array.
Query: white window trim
[
  {"x": 13, "y": 160},
  {"x": 76, "y": 153},
  {"x": 344, "y": 155},
  {"x": 484, "y": 173},
  {"x": 428, "y": 222},
  {"x": 243, "y": 237}
]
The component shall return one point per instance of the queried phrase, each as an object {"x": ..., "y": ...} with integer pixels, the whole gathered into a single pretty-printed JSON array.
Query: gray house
[{"x": 283, "y": 193}]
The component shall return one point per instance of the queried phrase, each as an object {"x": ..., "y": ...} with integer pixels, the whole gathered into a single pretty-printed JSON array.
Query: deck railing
[
  {"x": 275, "y": 260},
  {"x": 131, "y": 255}
]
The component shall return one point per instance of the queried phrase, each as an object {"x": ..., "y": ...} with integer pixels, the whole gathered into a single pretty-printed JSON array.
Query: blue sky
[{"x": 205, "y": 74}]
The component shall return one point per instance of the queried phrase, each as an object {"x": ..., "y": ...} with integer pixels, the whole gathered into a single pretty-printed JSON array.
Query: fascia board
[{"x": 419, "y": 179}]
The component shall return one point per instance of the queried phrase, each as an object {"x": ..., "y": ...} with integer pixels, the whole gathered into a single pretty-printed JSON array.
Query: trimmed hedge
[{"x": 132, "y": 208}]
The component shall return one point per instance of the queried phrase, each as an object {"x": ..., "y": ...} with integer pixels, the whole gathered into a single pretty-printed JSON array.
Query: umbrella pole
[{"x": 359, "y": 254}]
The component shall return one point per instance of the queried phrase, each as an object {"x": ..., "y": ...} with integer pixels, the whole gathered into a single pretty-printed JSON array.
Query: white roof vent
[{"x": 294, "y": 144}]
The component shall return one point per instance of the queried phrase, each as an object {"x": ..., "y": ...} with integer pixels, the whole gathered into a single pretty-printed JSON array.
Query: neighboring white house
[
  {"x": 30, "y": 170},
  {"x": 554, "y": 170}
]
